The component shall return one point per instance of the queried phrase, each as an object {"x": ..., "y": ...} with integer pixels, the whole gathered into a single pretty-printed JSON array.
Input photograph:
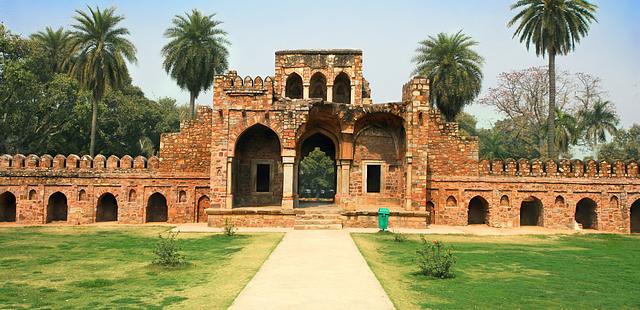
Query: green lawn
[
  {"x": 109, "y": 267},
  {"x": 530, "y": 272}
]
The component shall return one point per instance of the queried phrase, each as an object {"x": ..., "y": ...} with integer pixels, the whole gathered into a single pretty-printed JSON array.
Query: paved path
[{"x": 314, "y": 270}]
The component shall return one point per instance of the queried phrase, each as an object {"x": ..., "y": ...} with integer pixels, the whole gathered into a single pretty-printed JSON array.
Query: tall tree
[
  {"x": 196, "y": 51},
  {"x": 554, "y": 27},
  {"x": 57, "y": 45},
  {"x": 453, "y": 68},
  {"x": 99, "y": 63},
  {"x": 317, "y": 171},
  {"x": 566, "y": 131},
  {"x": 598, "y": 121}
]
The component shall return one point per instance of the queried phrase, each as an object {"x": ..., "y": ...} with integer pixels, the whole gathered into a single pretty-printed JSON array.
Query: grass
[
  {"x": 523, "y": 272},
  {"x": 109, "y": 267}
]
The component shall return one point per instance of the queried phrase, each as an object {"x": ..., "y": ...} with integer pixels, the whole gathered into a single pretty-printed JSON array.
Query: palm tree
[
  {"x": 196, "y": 51},
  {"x": 566, "y": 131},
  {"x": 101, "y": 50},
  {"x": 453, "y": 68},
  {"x": 597, "y": 122},
  {"x": 57, "y": 45},
  {"x": 554, "y": 27}
]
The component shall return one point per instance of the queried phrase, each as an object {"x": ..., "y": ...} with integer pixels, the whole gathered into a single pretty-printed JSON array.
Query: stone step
[
  {"x": 318, "y": 211},
  {"x": 318, "y": 227},
  {"x": 317, "y": 216},
  {"x": 318, "y": 222}
]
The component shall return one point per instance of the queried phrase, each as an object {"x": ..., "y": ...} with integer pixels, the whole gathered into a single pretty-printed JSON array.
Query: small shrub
[
  {"x": 229, "y": 228},
  {"x": 167, "y": 251},
  {"x": 399, "y": 237},
  {"x": 435, "y": 260}
]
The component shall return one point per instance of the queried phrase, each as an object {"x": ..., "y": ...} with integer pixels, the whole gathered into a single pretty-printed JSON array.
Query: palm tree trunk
[
  {"x": 94, "y": 125},
  {"x": 192, "y": 104},
  {"x": 551, "y": 130}
]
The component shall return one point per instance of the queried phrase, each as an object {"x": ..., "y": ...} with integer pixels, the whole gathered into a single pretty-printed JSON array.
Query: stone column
[
  {"x": 338, "y": 179},
  {"x": 305, "y": 91},
  {"x": 353, "y": 94},
  {"x": 345, "y": 170},
  {"x": 288, "y": 183},
  {"x": 408, "y": 190},
  {"x": 229, "y": 197},
  {"x": 329, "y": 93}
]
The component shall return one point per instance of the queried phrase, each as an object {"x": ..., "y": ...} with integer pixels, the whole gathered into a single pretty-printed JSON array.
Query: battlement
[
  {"x": 563, "y": 168},
  {"x": 34, "y": 163},
  {"x": 232, "y": 90}
]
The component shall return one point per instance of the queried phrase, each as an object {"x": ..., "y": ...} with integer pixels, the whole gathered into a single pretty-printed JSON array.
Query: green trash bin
[{"x": 383, "y": 218}]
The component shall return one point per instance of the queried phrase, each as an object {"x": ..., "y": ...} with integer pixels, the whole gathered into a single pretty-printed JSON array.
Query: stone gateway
[{"x": 241, "y": 161}]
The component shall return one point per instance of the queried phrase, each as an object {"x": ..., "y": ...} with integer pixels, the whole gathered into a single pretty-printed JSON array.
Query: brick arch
[
  {"x": 106, "y": 209},
  {"x": 478, "y": 210},
  {"x": 204, "y": 202},
  {"x": 318, "y": 82},
  {"x": 157, "y": 207},
  {"x": 303, "y": 134},
  {"x": 531, "y": 211},
  {"x": 8, "y": 206},
  {"x": 634, "y": 216},
  {"x": 57, "y": 208},
  {"x": 293, "y": 86},
  {"x": 237, "y": 131},
  {"x": 586, "y": 211},
  {"x": 387, "y": 122}
]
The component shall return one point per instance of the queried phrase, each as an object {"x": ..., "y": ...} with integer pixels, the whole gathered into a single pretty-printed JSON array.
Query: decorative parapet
[
  {"x": 563, "y": 168},
  {"x": 72, "y": 162}
]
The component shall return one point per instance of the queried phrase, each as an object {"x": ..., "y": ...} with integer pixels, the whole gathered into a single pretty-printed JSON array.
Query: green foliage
[
  {"x": 467, "y": 124},
  {"x": 506, "y": 140},
  {"x": 624, "y": 146},
  {"x": 44, "y": 111},
  {"x": 453, "y": 68},
  {"x": 196, "y": 51},
  {"x": 435, "y": 260},
  {"x": 553, "y": 26},
  {"x": 317, "y": 171},
  {"x": 57, "y": 45},
  {"x": 597, "y": 121},
  {"x": 167, "y": 253},
  {"x": 399, "y": 237},
  {"x": 229, "y": 227}
]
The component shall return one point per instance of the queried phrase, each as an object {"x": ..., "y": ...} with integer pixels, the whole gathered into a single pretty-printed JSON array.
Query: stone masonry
[{"x": 239, "y": 161}]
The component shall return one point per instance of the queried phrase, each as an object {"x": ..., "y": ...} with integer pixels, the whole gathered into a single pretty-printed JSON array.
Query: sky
[{"x": 388, "y": 32}]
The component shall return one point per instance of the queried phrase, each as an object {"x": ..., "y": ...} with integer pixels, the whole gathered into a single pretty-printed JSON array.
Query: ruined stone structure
[{"x": 240, "y": 161}]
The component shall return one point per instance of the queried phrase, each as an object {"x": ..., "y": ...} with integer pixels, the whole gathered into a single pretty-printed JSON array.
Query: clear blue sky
[{"x": 387, "y": 32}]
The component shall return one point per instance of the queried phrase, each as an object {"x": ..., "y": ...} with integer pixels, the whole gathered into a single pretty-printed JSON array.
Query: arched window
[
  {"x": 203, "y": 204},
  {"x": 82, "y": 195},
  {"x": 132, "y": 195},
  {"x": 293, "y": 87},
  {"x": 318, "y": 86},
  {"x": 342, "y": 89}
]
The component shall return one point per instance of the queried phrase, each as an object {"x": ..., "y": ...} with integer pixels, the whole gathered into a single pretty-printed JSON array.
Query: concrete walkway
[{"x": 318, "y": 269}]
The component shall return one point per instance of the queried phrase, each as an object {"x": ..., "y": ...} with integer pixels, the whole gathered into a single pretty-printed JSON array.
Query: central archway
[
  {"x": 157, "y": 210},
  {"x": 586, "y": 213},
  {"x": 57, "y": 208},
  {"x": 107, "y": 208},
  {"x": 531, "y": 212},
  {"x": 478, "y": 212},
  {"x": 257, "y": 168},
  {"x": 317, "y": 170}
]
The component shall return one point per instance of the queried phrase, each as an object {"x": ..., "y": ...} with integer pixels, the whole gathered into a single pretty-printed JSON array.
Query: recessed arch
[
  {"x": 107, "y": 208},
  {"x": 257, "y": 168},
  {"x": 586, "y": 213},
  {"x": 157, "y": 209},
  {"x": 531, "y": 212},
  {"x": 182, "y": 196},
  {"x": 32, "y": 194},
  {"x": 203, "y": 203},
  {"x": 318, "y": 86},
  {"x": 431, "y": 211},
  {"x": 342, "y": 89},
  {"x": 82, "y": 195},
  {"x": 293, "y": 86},
  {"x": 634, "y": 217},
  {"x": 478, "y": 211},
  {"x": 7, "y": 207},
  {"x": 57, "y": 208},
  {"x": 451, "y": 202},
  {"x": 132, "y": 195}
]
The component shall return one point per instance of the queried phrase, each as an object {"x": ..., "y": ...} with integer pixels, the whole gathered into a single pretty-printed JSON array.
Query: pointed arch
[
  {"x": 107, "y": 208},
  {"x": 342, "y": 89},
  {"x": 157, "y": 209},
  {"x": 293, "y": 86},
  {"x": 57, "y": 208},
  {"x": 7, "y": 207},
  {"x": 318, "y": 86},
  {"x": 478, "y": 211},
  {"x": 531, "y": 212}
]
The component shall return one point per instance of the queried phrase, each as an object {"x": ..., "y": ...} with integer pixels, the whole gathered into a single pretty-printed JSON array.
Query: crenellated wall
[{"x": 563, "y": 168}]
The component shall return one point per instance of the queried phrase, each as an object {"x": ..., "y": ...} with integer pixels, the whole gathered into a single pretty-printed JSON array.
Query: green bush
[
  {"x": 435, "y": 260},
  {"x": 229, "y": 228},
  {"x": 399, "y": 237},
  {"x": 167, "y": 251}
]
